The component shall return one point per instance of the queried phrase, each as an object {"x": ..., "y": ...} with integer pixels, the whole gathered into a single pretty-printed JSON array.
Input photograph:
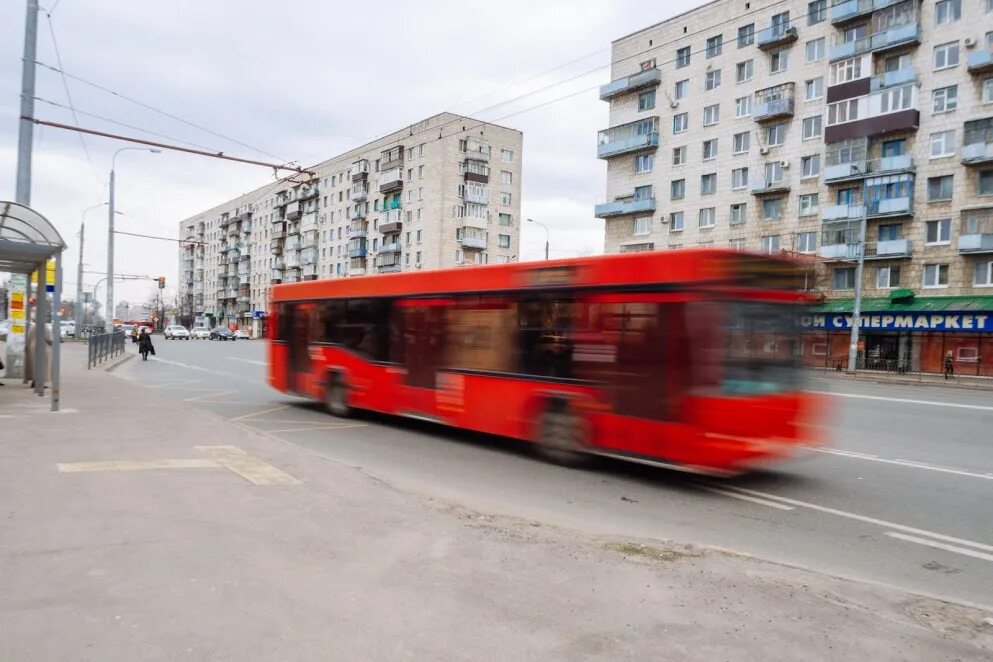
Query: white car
[
  {"x": 176, "y": 332},
  {"x": 201, "y": 333},
  {"x": 241, "y": 334}
]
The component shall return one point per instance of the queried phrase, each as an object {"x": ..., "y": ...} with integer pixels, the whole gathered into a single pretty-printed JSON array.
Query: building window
[
  {"x": 739, "y": 213},
  {"x": 743, "y": 106},
  {"x": 772, "y": 209},
  {"x": 714, "y": 45},
  {"x": 843, "y": 278},
  {"x": 984, "y": 184},
  {"x": 737, "y": 244},
  {"x": 711, "y": 114},
  {"x": 712, "y": 80},
  {"x": 947, "y": 11},
  {"x": 815, "y": 50},
  {"x": 739, "y": 178},
  {"x": 503, "y": 240},
  {"x": 945, "y": 99},
  {"x": 935, "y": 275},
  {"x": 937, "y": 233},
  {"x": 506, "y": 155},
  {"x": 676, "y": 221},
  {"x": 888, "y": 278},
  {"x": 806, "y": 242},
  {"x": 816, "y": 11},
  {"x": 637, "y": 248},
  {"x": 642, "y": 226},
  {"x": 810, "y": 166},
  {"x": 419, "y": 233},
  {"x": 843, "y": 111},
  {"x": 982, "y": 274},
  {"x": 505, "y": 198},
  {"x": 420, "y": 192},
  {"x": 812, "y": 127},
  {"x": 646, "y": 100},
  {"x": 746, "y": 35},
  {"x": 505, "y": 221},
  {"x": 710, "y": 149},
  {"x": 740, "y": 142},
  {"x": 708, "y": 183},
  {"x": 770, "y": 243},
  {"x": 943, "y": 144},
  {"x": 939, "y": 188},
  {"x": 677, "y": 189},
  {"x": 813, "y": 89},
  {"x": 775, "y": 134},
  {"x": 679, "y": 155},
  {"x": 809, "y": 204},
  {"x": 846, "y": 70},
  {"x": 683, "y": 57},
  {"x": 680, "y": 122},
  {"x": 946, "y": 55},
  {"x": 708, "y": 217},
  {"x": 743, "y": 71},
  {"x": 682, "y": 89},
  {"x": 506, "y": 177},
  {"x": 644, "y": 163},
  {"x": 779, "y": 61}
]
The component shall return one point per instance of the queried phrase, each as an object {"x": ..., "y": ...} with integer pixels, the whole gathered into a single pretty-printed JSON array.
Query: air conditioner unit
[
  {"x": 785, "y": 165},
  {"x": 674, "y": 104},
  {"x": 970, "y": 42},
  {"x": 763, "y": 150}
]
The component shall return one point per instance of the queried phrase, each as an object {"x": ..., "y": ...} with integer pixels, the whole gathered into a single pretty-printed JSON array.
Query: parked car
[
  {"x": 68, "y": 328},
  {"x": 241, "y": 334},
  {"x": 176, "y": 332},
  {"x": 221, "y": 333},
  {"x": 200, "y": 333}
]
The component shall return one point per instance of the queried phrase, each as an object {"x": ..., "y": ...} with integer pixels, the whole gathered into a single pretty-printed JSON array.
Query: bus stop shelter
[{"x": 27, "y": 242}]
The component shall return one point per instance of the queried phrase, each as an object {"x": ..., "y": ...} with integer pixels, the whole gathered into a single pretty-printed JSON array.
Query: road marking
[
  {"x": 212, "y": 394},
  {"x": 235, "y": 358},
  {"x": 322, "y": 427},
  {"x": 939, "y": 545},
  {"x": 863, "y": 518},
  {"x": 194, "y": 367},
  {"x": 903, "y": 463},
  {"x": 136, "y": 465},
  {"x": 932, "y": 403},
  {"x": 259, "y": 413},
  {"x": 172, "y": 383},
  {"x": 250, "y": 468},
  {"x": 745, "y": 497}
]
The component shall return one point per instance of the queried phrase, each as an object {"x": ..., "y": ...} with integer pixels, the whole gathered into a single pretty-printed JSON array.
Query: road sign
[{"x": 49, "y": 276}]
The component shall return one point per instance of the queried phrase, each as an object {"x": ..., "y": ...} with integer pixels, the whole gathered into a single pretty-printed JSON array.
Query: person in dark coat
[{"x": 145, "y": 345}]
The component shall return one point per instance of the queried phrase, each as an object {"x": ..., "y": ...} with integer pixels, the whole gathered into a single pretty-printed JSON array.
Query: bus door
[
  {"x": 424, "y": 345},
  {"x": 298, "y": 365}
]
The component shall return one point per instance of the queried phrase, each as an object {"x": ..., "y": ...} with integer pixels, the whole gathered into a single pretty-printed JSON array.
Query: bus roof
[{"x": 643, "y": 269}]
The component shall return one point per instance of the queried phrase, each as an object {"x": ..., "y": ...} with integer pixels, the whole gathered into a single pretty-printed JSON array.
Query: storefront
[{"x": 904, "y": 333}]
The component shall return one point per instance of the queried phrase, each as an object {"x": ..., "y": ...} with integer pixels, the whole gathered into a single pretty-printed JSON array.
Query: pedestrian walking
[
  {"x": 949, "y": 366},
  {"x": 145, "y": 345},
  {"x": 134, "y": 335}
]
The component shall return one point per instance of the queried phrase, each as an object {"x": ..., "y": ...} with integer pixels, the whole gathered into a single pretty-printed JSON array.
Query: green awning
[{"x": 914, "y": 305}]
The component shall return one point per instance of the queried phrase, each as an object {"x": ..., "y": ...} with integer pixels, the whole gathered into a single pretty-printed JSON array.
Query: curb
[
  {"x": 119, "y": 362},
  {"x": 981, "y": 383}
]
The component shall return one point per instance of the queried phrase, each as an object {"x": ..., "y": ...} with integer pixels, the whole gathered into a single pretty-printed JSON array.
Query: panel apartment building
[
  {"x": 775, "y": 126},
  {"x": 441, "y": 193}
]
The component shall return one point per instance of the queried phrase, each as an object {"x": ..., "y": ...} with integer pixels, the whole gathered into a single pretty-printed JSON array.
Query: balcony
[
  {"x": 841, "y": 213},
  {"x": 389, "y": 228},
  {"x": 849, "y": 10},
  {"x": 357, "y": 252},
  {"x": 356, "y": 271},
  {"x": 360, "y": 192},
  {"x": 359, "y": 212},
  {"x": 901, "y": 35},
  {"x": 977, "y": 142},
  {"x": 293, "y": 211},
  {"x": 888, "y": 250},
  {"x": 358, "y": 229},
  {"x": 246, "y": 227},
  {"x": 976, "y": 231},
  {"x": 839, "y": 251},
  {"x": 639, "y": 81},
  {"x": 776, "y": 35},
  {"x": 856, "y": 170},
  {"x": 390, "y": 247},
  {"x": 276, "y": 247},
  {"x": 476, "y": 172},
  {"x": 903, "y": 206},
  {"x": 980, "y": 62},
  {"x": 981, "y": 242},
  {"x": 473, "y": 243},
  {"x": 391, "y": 158},
  {"x": 639, "y": 136},
  {"x": 763, "y": 186},
  {"x": 360, "y": 170},
  {"x": 475, "y": 222},
  {"x": 388, "y": 263},
  {"x": 308, "y": 192},
  {"x": 292, "y": 242},
  {"x": 234, "y": 230},
  {"x": 390, "y": 180},
  {"x": 278, "y": 263},
  {"x": 309, "y": 272},
  {"x": 774, "y": 103},
  {"x": 225, "y": 222},
  {"x": 624, "y": 206},
  {"x": 308, "y": 224},
  {"x": 477, "y": 149},
  {"x": 477, "y": 194},
  {"x": 977, "y": 153},
  {"x": 893, "y": 78}
]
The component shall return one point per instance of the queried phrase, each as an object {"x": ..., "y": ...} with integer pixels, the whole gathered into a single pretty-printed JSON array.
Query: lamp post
[
  {"x": 531, "y": 220},
  {"x": 109, "y": 325},
  {"x": 80, "y": 320},
  {"x": 853, "y": 347}
]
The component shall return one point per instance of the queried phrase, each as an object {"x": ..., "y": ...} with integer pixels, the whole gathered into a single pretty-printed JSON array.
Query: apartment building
[
  {"x": 440, "y": 193},
  {"x": 776, "y": 126}
]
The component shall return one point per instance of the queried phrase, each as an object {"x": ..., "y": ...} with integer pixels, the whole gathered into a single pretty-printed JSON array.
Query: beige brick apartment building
[
  {"x": 775, "y": 125},
  {"x": 440, "y": 193}
]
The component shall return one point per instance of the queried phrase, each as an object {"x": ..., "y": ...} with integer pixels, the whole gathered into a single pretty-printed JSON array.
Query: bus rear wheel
[
  {"x": 562, "y": 435},
  {"x": 336, "y": 397}
]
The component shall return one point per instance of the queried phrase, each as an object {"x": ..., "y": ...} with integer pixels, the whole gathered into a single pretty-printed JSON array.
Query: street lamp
[
  {"x": 109, "y": 326},
  {"x": 79, "y": 273},
  {"x": 531, "y": 220},
  {"x": 853, "y": 347}
]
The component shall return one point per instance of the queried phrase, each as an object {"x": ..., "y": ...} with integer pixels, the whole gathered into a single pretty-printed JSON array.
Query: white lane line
[
  {"x": 863, "y": 518},
  {"x": 259, "y": 413},
  {"x": 903, "y": 463},
  {"x": 235, "y": 358},
  {"x": 745, "y": 497},
  {"x": 319, "y": 428},
  {"x": 939, "y": 545},
  {"x": 212, "y": 394},
  {"x": 957, "y": 405}
]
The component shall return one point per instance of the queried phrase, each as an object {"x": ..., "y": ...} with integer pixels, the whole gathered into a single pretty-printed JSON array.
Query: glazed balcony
[
  {"x": 360, "y": 192},
  {"x": 774, "y": 103},
  {"x": 473, "y": 243},
  {"x": 894, "y": 37},
  {"x": 477, "y": 194},
  {"x": 293, "y": 211},
  {"x": 776, "y": 36},
  {"x": 360, "y": 170},
  {"x": 630, "y": 138},
  {"x": 359, "y": 211},
  {"x": 976, "y": 231},
  {"x": 390, "y": 180},
  {"x": 308, "y": 192},
  {"x": 391, "y": 227},
  {"x": 633, "y": 83},
  {"x": 476, "y": 172},
  {"x": 391, "y": 158},
  {"x": 977, "y": 142},
  {"x": 358, "y": 229},
  {"x": 477, "y": 150}
]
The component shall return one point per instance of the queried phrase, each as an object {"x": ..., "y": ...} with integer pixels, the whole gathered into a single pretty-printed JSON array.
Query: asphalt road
[{"x": 903, "y": 496}]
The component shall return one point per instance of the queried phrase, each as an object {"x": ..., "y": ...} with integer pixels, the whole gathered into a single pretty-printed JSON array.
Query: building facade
[
  {"x": 440, "y": 193},
  {"x": 777, "y": 126}
]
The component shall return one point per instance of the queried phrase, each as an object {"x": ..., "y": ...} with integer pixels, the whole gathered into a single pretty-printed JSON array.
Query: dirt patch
[{"x": 656, "y": 553}]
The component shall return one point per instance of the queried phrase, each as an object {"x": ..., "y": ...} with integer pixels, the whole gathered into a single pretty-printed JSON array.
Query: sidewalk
[
  {"x": 214, "y": 555},
  {"x": 909, "y": 378}
]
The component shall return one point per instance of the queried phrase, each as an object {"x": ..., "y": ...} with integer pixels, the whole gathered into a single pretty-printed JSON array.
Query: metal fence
[{"x": 104, "y": 346}]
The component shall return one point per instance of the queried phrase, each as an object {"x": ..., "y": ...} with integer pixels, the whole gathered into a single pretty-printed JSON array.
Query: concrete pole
[
  {"x": 41, "y": 313},
  {"x": 57, "y": 324},
  {"x": 25, "y": 133},
  {"x": 853, "y": 346},
  {"x": 25, "y": 377},
  {"x": 109, "y": 322},
  {"x": 78, "y": 311}
]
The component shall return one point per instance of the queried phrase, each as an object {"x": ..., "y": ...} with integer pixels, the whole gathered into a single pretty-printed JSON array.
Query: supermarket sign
[{"x": 974, "y": 322}]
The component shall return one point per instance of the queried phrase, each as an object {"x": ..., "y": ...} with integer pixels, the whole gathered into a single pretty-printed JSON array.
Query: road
[{"x": 901, "y": 497}]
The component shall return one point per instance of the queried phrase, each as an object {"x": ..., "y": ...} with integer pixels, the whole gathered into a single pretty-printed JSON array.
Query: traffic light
[{"x": 161, "y": 282}]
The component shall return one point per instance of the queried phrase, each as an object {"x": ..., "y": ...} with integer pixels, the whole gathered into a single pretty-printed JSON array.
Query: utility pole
[
  {"x": 25, "y": 133},
  {"x": 79, "y": 283},
  {"x": 545, "y": 227},
  {"x": 853, "y": 346}
]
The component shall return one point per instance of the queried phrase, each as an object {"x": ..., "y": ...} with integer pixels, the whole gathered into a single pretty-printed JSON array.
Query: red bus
[{"x": 684, "y": 358}]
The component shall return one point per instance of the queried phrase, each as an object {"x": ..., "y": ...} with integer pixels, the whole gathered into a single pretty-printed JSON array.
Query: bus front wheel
[
  {"x": 562, "y": 434},
  {"x": 336, "y": 396}
]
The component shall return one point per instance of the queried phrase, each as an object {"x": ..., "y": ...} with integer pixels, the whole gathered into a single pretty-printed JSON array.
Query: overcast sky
[{"x": 303, "y": 81}]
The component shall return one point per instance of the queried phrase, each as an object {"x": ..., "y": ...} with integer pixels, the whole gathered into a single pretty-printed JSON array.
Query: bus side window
[
  {"x": 479, "y": 335},
  {"x": 283, "y": 322},
  {"x": 364, "y": 329},
  {"x": 330, "y": 315},
  {"x": 543, "y": 337}
]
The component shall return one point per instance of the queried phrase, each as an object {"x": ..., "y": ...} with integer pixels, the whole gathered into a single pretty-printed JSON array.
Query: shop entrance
[{"x": 887, "y": 351}]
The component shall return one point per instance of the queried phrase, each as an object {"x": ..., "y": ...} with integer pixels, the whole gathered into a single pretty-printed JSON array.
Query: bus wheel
[
  {"x": 336, "y": 396},
  {"x": 561, "y": 435}
]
